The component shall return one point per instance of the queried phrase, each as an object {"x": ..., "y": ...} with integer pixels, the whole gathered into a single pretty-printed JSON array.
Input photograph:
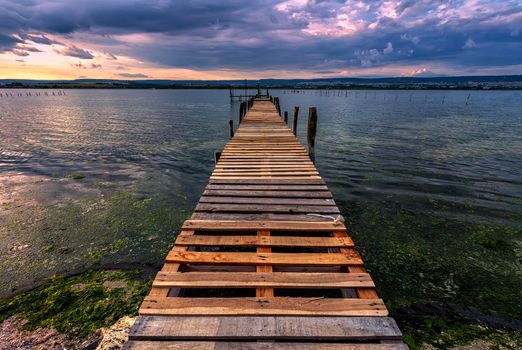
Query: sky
[{"x": 232, "y": 39}]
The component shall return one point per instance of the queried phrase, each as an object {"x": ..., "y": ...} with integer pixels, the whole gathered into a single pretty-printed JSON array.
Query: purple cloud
[
  {"x": 74, "y": 51},
  {"x": 315, "y": 36},
  {"x": 19, "y": 52}
]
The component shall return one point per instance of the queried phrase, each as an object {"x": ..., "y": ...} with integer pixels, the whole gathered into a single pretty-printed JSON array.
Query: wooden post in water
[
  {"x": 294, "y": 125},
  {"x": 286, "y": 117},
  {"x": 278, "y": 107},
  {"x": 231, "y": 128},
  {"x": 310, "y": 134},
  {"x": 241, "y": 111},
  {"x": 217, "y": 155}
]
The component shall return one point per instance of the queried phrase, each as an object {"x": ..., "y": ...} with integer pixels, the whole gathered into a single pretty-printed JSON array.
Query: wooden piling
[
  {"x": 242, "y": 111},
  {"x": 286, "y": 117},
  {"x": 294, "y": 125},
  {"x": 231, "y": 128},
  {"x": 217, "y": 155},
  {"x": 310, "y": 134},
  {"x": 277, "y": 106}
]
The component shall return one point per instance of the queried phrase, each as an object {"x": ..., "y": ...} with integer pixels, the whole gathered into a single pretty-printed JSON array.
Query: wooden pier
[{"x": 265, "y": 261}]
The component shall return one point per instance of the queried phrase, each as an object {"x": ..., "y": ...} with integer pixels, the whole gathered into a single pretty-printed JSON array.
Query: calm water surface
[{"x": 430, "y": 183}]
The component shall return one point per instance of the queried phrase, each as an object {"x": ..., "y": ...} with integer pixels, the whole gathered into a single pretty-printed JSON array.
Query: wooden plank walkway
[{"x": 265, "y": 262}]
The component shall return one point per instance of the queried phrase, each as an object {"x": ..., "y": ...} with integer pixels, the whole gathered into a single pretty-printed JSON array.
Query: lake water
[{"x": 430, "y": 183}]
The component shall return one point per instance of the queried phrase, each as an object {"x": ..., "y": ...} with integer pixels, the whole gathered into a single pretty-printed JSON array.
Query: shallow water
[{"x": 429, "y": 182}]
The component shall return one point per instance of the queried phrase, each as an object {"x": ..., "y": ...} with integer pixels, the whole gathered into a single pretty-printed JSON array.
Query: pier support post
[
  {"x": 231, "y": 128},
  {"x": 294, "y": 124},
  {"x": 278, "y": 107},
  {"x": 286, "y": 117},
  {"x": 310, "y": 134},
  {"x": 242, "y": 111},
  {"x": 217, "y": 155}
]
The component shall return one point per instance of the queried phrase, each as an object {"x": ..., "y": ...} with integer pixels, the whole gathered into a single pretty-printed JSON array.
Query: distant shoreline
[
  {"x": 330, "y": 88},
  {"x": 508, "y": 82}
]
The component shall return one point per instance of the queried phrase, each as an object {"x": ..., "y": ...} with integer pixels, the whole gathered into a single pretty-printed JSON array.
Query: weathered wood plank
[
  {"x": 265, "y": 327},
  {"x": 266, "y": 208},
  {"x": 310, "y": 217},
  {"x": 277, "y": 306},
  {"x": 274, "y": 172},
  {"x": 260, "y": 279},
  {"x": 288, "y": 177},
  {"x": 270, "y": 182},
  {"x": 211, "y": 225},
  {"x": 233, "y": 258},
  {"x": 272, "y": 241},
  {"x": 269, "y": 200},
  {"x": 276, "y": 194},
  {"x": 264, "y": 291},
  {"x": 254, "y": 165},
  {"x": 194, "y": 345}
]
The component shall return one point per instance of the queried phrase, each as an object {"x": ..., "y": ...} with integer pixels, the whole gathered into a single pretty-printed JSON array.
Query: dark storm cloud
[
  {"x": 311, "y": 35},
  {"x": 39, "y": 39},
  {"x": 8, "y": 42}
]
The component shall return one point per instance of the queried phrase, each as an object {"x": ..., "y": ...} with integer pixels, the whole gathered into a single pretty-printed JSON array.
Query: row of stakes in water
[
  {"x": 356, "y": 94},
  {"x": 31, "y": 94}
]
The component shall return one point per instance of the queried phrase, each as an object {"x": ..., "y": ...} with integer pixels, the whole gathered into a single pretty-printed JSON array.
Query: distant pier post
[
  {"x": 294, "y": 124},
  {"x": 310, "y": 134},
  {"x": 286, "y": 117}
]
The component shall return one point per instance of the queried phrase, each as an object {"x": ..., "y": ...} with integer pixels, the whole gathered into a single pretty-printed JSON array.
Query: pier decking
[{"x": 265, "y": 261}]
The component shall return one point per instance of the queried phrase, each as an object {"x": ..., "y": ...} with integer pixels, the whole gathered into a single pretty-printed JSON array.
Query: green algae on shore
[
  {"x": 79, "y": 305},
  {"x": 418, "y": 259}
]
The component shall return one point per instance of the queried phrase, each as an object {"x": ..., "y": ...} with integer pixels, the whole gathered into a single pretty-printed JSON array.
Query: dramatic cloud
[
  {"x": 74, "y": 51},
  {"x": 306, "y": 37},
  {"x": 18, "y": 52},
  {"x": 38, "y": 39}
]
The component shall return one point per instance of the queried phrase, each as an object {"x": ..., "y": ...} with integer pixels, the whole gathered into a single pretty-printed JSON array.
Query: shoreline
[
  {"x": 425, "y": 326},
  {"x": 148, "y": 269}
]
